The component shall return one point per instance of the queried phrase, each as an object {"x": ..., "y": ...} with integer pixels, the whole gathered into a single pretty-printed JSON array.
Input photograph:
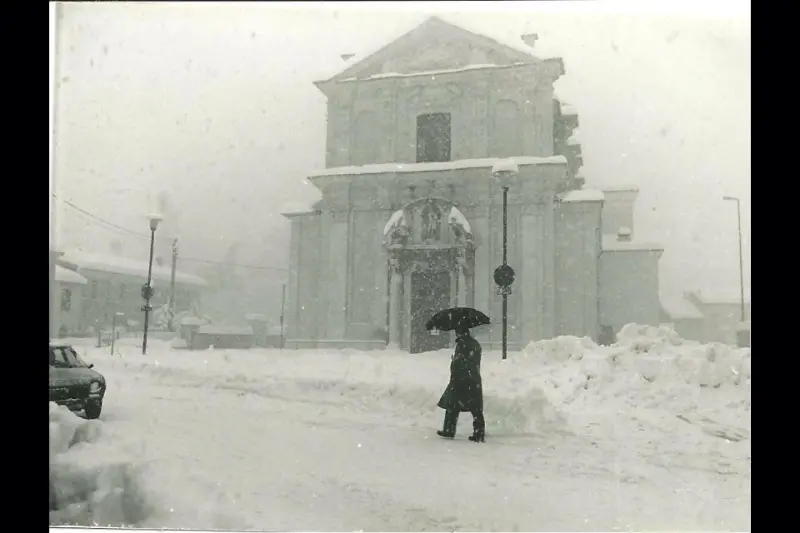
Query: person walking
[{"x": 464, "y": 392}]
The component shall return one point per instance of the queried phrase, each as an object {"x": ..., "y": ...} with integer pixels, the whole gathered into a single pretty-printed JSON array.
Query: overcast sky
[{"x": 213, "y": 104}]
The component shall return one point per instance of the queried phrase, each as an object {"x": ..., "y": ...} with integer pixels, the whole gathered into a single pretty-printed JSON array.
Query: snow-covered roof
[
  {"x": 65, "y": 275},
  {"x": 500, "y": 37},
  {"x": 678, "y": 307},
  {"x": 722, "y": 296},
  {"x": 297, "y": 208},
  {"x": 391, "y": 75},
  {"x": 611, "y": 244},
  {"x": 225, "y": 330},
  {"x": 192, "y": 321},
  {"x": 84, "y": 261},
  {"x": 457, "y": 217},
  {"x": 582, "y": 195},
  {"x": 621, "y": 188},
  {"x": 575, "y": 138},
  {"x": 497, "y": 34},
  {"x": 461, "y": 164},
  {"x": 568, "y": 109}
]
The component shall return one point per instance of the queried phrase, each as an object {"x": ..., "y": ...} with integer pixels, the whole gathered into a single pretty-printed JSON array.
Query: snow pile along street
[
  {"x": 90, "y": 484},
  {"x": 98, "y": 479}
]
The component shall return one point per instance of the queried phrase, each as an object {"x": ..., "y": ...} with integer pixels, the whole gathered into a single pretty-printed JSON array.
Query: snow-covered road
[
  {"x": 327, "y": 462},
  {"x": 226, "y": 451}
]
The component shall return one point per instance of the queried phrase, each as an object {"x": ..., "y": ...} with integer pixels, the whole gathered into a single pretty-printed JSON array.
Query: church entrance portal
[
  {"x": 431, "y": 256},
  {"x": 430, "y": 293}
]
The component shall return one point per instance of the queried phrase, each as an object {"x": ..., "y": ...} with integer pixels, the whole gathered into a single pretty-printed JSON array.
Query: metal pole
[
  {"x": 741, "y": 257},
  {"x": 147, "y": 300},
  {"x": 283, "y": 306},
  {"x": 172, "y": 283},
  {"x": 505, "y": 262},
  {"x": 113, "y": 331}
]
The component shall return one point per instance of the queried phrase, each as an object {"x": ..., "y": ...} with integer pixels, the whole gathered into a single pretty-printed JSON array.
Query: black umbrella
[{"x": 457, "y": 318}]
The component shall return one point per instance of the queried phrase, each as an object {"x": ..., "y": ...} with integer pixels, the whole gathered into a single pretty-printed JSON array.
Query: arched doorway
[{"x": 431, "y": 257}]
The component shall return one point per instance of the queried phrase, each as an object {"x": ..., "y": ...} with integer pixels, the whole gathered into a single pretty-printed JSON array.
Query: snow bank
[
  {"x": 95, "y": 480},
  {"x": 551, "y": 386},
  {"x": 88, "y": 485}
]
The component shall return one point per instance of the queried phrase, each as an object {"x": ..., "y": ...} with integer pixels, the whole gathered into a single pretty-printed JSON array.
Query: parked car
[{"x": 73, "y": 383}]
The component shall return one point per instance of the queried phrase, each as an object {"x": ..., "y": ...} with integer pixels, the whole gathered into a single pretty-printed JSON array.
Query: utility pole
[
  {"x": 172, "y": 284},
  {"x": 283, "y": 308},
  {"x": 741, "y": 255}
]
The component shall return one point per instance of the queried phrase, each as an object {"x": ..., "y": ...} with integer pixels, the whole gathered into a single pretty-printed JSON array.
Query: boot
[
  {"x": 448, "y": 430},
  {"x": 478, "y": 437},
  {"x": 478, "y": 428}
]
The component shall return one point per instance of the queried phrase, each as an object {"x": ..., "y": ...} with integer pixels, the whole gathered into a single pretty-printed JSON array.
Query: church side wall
[
  {"x": 629, "y": 288},
  {"x": 534, "y": 275},
  {"x": 292, "y": 305},
  {"x": 306, "y": 258},
  {"x": 577, "y": 263},
  {"x": 366, "y": 310}
]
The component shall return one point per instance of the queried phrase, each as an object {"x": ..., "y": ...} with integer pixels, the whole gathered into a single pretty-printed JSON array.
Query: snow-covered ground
[{"x": 652, "y": 433}]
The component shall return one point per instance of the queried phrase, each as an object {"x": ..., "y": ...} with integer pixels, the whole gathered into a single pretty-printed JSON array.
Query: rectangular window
[
  {"x": 93, "y": 290},
  {"x": 66, "y": 299},
  {"x": 433, "y": 137}
]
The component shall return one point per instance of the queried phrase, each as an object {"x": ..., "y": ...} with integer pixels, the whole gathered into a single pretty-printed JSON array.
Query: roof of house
[
  {"x": 677, "y": 306},
  {"x": 620, "y": 188},
  {"x": 721, "y": 296},
  {"x": 65, "y": 275},
  {"x": 84, "y": 261},
  {"x": 612, "y": 244},
  {"x": 582, "y": 195}
]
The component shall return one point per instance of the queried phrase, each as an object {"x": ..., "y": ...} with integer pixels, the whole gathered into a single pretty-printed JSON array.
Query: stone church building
[{"x": 410, "y": 220}]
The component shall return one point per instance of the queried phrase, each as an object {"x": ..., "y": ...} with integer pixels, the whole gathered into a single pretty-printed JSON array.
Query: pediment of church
[{"x": 435, "y": 45}]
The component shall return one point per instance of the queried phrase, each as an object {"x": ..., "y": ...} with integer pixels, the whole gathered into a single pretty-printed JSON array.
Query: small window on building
[
  {"x": 93, "y": 289},
  {"x": 66, "y": 299},
  {"x": 433, "y": 138}
]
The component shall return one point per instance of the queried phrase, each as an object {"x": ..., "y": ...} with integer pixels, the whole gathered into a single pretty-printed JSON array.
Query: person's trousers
[{"x": 451, "y": 421}]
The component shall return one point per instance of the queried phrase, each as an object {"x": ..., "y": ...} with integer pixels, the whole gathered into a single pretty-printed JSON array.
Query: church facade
[{"x": 410, "y": 220}]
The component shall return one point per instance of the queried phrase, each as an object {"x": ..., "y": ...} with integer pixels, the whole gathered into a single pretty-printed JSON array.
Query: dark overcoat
[{"x": 464, "y": 393}]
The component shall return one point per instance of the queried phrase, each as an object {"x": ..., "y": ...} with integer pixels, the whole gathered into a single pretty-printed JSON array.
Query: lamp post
[
  {"x": 741, "y": 256},
  {"x": 504, "y": 173},
  {"x": 147, "y": 290}
]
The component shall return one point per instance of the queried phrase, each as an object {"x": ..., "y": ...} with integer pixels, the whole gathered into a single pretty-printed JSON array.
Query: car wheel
[{"x": 93, "y": 409}]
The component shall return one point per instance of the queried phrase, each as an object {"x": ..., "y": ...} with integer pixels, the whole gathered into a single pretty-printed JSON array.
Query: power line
[
  {"x": 112, "y": 226},
  {"x": 101, "y": 220}
]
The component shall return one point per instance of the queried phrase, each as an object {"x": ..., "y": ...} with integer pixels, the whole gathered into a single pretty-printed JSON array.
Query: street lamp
[
  {"x": 504, "y": 173},
  {"x": 741, "y": 257},
  {"x": 147, "y": 290}
]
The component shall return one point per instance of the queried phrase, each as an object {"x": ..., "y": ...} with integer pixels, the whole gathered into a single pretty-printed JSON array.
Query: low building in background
[
  {"x": 722, "y": 312},
  {"x": 67, "y": 301},
  {"x": 684, "y": 317},
  {"x": 114, "y": 284}
]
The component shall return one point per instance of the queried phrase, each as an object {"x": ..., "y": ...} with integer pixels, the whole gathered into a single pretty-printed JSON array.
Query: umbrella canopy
[{"x": 457, "y": 318}]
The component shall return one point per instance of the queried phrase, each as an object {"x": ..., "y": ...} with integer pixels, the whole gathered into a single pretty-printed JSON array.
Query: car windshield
[{"x": 65, "y": 357}]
